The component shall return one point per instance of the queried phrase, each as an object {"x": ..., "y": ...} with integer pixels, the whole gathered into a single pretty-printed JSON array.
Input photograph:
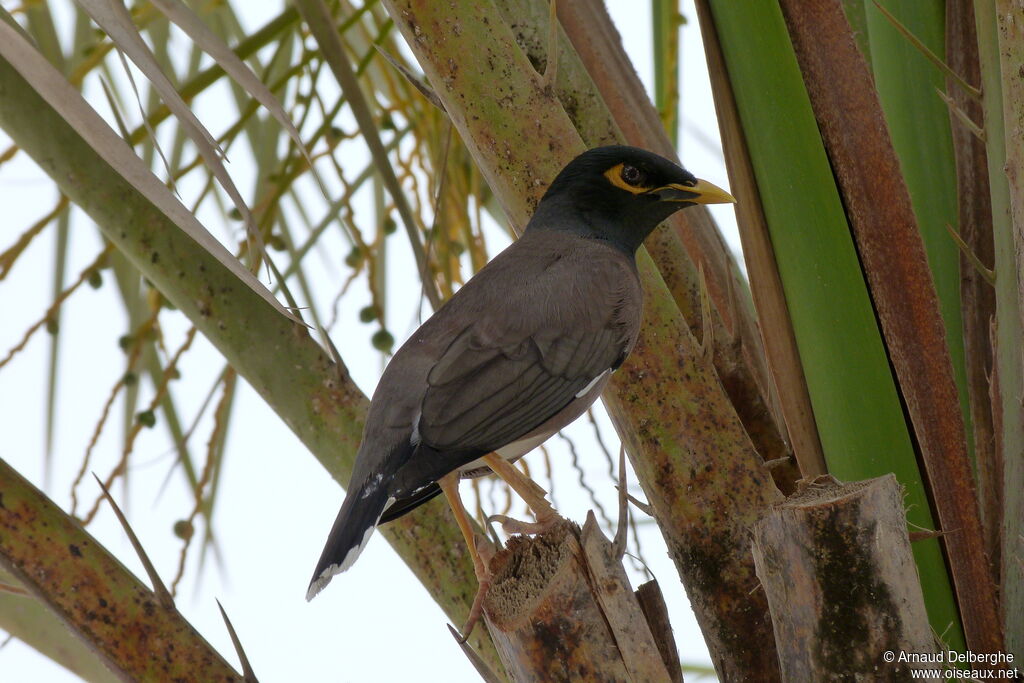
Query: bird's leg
[
  {"x": 449, "y": 484},
  {"x": 529, "y": 491}
]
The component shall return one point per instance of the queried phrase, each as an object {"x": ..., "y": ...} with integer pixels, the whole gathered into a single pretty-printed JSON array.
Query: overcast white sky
[{"x": 373, "y": 623}]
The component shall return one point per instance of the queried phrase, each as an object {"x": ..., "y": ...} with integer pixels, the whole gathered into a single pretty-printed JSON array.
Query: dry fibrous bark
[
  {"x": 561, "y": 609},
  {"x": 836, "y": 565}
]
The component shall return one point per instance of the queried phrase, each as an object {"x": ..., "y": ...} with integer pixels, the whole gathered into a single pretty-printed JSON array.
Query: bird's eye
[{"x": 632, "y": 175}]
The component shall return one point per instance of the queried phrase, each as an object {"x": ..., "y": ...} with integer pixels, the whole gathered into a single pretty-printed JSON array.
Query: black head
[{"x": 620, "y": 194}]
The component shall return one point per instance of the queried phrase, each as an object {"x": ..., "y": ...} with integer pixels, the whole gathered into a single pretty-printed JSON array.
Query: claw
[
  {"x": 517, "y": 526},
  {"x": 476, "y": 611}
]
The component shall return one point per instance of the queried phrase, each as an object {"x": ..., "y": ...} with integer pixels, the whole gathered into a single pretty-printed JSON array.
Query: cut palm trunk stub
[
  {"x": 835, "y": 562},
  {"x": 561, "y": 609}
]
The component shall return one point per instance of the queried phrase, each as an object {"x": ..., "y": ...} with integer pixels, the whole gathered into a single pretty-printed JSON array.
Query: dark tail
[{"x": 356, "y": 521}]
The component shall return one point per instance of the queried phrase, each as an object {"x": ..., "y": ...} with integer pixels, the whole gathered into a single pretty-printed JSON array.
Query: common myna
[{"x": 519, "y": 352}]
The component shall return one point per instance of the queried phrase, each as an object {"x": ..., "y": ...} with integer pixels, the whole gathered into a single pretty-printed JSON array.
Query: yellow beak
[{"x": 701, "y": 193}]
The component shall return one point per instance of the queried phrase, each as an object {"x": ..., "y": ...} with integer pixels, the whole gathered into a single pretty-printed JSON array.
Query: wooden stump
[
  {"x": 561, "y": 609},
  {"x": 842, "y": 586}
]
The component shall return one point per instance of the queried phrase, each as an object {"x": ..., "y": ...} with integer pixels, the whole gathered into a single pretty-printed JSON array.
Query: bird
[{"x": 522, "y": 349}]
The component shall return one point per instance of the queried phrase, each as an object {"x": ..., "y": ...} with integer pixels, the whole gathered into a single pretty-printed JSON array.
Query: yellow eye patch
[{"x": 614, "y": 176}]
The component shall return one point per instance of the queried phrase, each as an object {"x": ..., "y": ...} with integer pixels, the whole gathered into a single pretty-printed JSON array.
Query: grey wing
[{"x": 485, "y": 393}]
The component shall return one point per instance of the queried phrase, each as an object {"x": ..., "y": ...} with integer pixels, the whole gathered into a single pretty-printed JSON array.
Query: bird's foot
[
  {"x": 532, "y": 494},
  {"x": 517, "y": 526}
]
